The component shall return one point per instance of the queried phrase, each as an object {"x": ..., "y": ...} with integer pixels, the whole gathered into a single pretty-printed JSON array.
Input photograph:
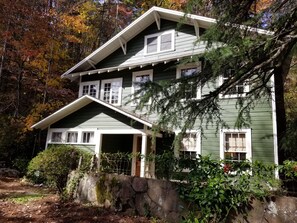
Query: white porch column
[
  {"x": 98, "y": 146},
  {"x": 143, "y": 154}
]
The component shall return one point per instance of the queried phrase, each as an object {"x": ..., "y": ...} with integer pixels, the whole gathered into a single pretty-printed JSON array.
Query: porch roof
[{"x": 80, "y": 103}]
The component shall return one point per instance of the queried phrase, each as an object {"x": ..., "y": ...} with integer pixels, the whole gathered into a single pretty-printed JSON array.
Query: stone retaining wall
[{"x": 158, "y": 198}]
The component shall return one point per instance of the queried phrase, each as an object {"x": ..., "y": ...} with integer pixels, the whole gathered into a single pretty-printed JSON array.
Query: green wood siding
[
  {"x": 185, "y": 42},
  {"x": 261, "y": 116},
  {"x": 95, "y": 115}
]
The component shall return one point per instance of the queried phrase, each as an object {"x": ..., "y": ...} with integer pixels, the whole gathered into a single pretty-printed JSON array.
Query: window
[
  {"x": 89, "y": 88},
  {"x": 111, "y": 91},
  {"x": 141, "y": 77},
  {"x": 236, "y": 145},
  {"x": 238, "y": 90},
  {"x": 87, "y": 137},
  {"x": 159, "y": 42},
  {"x": 192, "y": 91},
  {"x": 72, "y": 137},
  {"x": 56, "y": 137},
  {"x": 190, "y": 145}
]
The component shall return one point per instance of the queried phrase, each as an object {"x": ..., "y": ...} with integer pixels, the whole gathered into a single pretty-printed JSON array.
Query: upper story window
[
  {"x": 159, "y": 42},
  {"x": 235, "y": 145},
  {"x": 192, "y": 91},
  {"x": 140, "y": 77},
  {"x": 238, "y": 90},
  {"x": 111, "y": 91},
  {"x": 89, "y": 88}
]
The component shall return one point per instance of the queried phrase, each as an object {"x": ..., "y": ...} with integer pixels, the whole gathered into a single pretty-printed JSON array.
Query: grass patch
[{"x": 25, "y": 198}]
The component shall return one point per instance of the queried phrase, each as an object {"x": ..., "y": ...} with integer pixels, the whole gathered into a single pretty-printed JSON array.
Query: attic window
[{"x": 159, "y": 42}]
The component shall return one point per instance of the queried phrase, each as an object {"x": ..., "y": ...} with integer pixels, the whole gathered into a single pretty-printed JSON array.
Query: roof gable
[
  {"x": 154, "y": 15},
  {"x": 80, "y": 103}
]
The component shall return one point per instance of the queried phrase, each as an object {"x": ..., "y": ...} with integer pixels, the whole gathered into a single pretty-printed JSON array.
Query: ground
[{"x": 23, "y": 203}]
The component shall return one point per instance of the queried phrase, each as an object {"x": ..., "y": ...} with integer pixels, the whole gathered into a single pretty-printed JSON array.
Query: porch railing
[{"x": 119, "y": 163}]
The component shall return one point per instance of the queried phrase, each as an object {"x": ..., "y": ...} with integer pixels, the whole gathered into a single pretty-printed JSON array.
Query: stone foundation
[{"x": 158, "y": 198}]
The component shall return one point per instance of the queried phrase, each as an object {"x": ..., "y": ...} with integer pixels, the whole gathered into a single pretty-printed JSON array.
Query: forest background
[{"x": 41, "y": 39}]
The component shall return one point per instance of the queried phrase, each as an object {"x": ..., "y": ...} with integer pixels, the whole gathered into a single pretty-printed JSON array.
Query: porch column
[
  {"x": 143, "y": 154},
  {"x": 98, "y": 146}
]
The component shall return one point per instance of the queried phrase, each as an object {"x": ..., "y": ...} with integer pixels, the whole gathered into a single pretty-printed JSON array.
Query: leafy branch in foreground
[{"x": 254, "y": 56}]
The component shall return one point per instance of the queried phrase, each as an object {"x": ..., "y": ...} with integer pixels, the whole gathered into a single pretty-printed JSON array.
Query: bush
[
  {"x": 53, "y": 165},
  {"x": 217, "y": 191}
]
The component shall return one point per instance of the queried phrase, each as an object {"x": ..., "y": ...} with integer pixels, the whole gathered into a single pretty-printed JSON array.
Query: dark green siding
[{"x": 97, "y": 116}]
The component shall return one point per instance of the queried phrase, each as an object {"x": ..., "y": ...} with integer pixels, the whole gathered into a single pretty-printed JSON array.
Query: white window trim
[
  {"x": 110, "y": 81},
  {"x": 82, "y": 134},
  {"x": 246, "y": 89},
  {"x": 64, "y": 135},
  {"x": 248, "y": 134},
  {"x": 198, "y": 142},
  {"x": 186, "y": 66},
  {"x": 158, "y": 35},
  {"x": 81, "y": 84},
  {"x": 139, "y": 73}
]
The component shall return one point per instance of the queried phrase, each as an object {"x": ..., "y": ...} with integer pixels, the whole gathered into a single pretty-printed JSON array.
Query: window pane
[
  {"x": 152, "y": 44},
  {"x": 115, "y": 89},
  {"x": 189, "y": 142},
  {"x": 85, "y": 90},
  {"x": 166, "y": 42},
  {"x": 72, "y": 137},
  {"x": 56, "y": 137},
  {"x": 88, "y": 137},
  {"x": 235, "y": 146},
  {"x": 93, "y": 90},
  {"x": 106, "y": 93},
  {"x": 190, "y": 91},
  {"x": 237, "y": 89}
]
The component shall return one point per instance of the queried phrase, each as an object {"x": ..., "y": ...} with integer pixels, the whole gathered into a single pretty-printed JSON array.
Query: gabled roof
[
  {"x": 80, "y": 103},
  {"x": 149, "y": 17}
]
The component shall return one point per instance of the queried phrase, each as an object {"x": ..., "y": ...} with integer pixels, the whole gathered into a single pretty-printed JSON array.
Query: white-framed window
[
  {"x": 140, "y": 77},
  {"x": 190, "y": 145},
  {"x": 235, "y": 145},
  {"x": 87, "y": 137},
  {"x": 56, "y": 137},
  {"x": 159, "y": 42},
  {"x": 71, "y": 137},
  {"x": 89, "y": 88},
  {"x": 193, "y": 91},
  {"x": 236, "y": 91},
  {"x": 111, "y": 91}
]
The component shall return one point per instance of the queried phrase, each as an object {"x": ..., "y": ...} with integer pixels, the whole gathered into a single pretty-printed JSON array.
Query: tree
[{"x": 253, "y": 57}]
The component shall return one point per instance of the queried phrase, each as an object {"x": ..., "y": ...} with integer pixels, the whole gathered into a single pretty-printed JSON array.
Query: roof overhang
[
  {"x": 131, "y": 31},
  {"x": 87, "y": 65},
  {"x": 80, "y": 103}
]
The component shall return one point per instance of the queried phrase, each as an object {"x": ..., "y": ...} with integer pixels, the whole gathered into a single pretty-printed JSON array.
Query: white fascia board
[
  {"x": 141, "y": 64},
  {"x": 62, "y": 113},
  {"x": 76, "y": 105}
]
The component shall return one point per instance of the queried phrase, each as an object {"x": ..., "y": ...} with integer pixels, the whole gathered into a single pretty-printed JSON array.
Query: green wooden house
[{"x": 151, "y": 48}]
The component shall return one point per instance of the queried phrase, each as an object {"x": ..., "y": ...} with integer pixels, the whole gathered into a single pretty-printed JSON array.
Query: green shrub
[
  {"x": 53, "y": 165},
  {"x": 216, "y": 190}
]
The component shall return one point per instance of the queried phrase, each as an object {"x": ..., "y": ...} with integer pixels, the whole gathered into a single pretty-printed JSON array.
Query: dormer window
[
  {"x": 159, "y": 42},
  {"x": 89, "y": 88}
]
